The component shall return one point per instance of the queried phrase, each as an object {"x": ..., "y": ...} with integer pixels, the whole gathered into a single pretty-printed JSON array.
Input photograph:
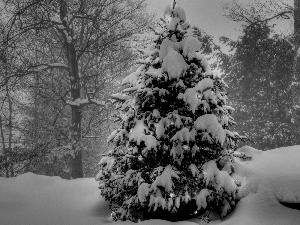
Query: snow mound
[
  {"x": 277, "y": 169},
  {"x": 165, "y": 179},
  {"x": 175, "y": 11},
  {"x": 173, "y": 23},
  {"x": 210, "y": 124},
  {"x": 31, "y": 199},
  {"x": 190, "y": 45},
  {"x": 174, "y": 64},
  {"x": 198, "y": 95},
  {"x": 165, "y": 45},
  {"x": 262, "y": 209}
]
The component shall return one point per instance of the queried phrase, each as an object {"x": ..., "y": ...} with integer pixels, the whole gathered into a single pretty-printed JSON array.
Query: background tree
[
  {"x": 260, "y": 74},
  {"x": 11, "y": 132},
  {"x": 71, "y": 46}
]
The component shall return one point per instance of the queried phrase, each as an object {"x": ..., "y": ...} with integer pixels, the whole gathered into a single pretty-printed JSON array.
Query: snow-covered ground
[{"x": 266, "y": 179}]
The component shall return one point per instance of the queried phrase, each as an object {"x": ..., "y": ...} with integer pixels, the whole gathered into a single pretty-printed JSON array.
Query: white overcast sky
[{"x": 205, "y": 14}]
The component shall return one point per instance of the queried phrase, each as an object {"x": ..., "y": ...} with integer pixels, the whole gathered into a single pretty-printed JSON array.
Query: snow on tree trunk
[
  {"x": 173, "y": 152},
  {"x": 77, "y": 170},
  {"x": 76, "y": 159}
]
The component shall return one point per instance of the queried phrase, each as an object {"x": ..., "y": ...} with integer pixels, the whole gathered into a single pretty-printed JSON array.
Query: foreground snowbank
[
  {"x": 276, "y": 170},
  {"x": 39, "y": 200},
  {"x": 266, "y": 179}
]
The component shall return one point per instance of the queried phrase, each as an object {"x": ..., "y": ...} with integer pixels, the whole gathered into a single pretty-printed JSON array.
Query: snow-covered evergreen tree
[{"x": 173, "y": 152}]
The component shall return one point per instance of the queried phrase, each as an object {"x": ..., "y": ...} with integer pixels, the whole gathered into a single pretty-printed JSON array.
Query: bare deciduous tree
[{"x": 85, "y": 43}]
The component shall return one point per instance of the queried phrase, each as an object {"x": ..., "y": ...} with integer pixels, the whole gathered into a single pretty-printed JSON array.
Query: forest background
[{"x": 62, "y": 61}]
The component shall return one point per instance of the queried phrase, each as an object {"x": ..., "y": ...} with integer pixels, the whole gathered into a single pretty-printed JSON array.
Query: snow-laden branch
[
  {"x": 88, "y": 101},
  {"x": 120, "y": 97},
  {"x": 114, "y": 98},
  {"x": 52, "y": 66}
]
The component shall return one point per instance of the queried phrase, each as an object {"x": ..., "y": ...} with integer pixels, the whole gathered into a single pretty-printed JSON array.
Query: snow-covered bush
[{"x": 173, "y": 152}]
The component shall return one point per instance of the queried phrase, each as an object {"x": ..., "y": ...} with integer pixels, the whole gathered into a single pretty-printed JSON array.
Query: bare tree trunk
[
  {"x": 7, "y": 150},
  {"x": 77, "y": 170},
  {"x": 10, "y": 127},
  {"x": 76, "y": 164},
  {"x": 296, "y": 68},
  {"x": 4, "y": 148}
]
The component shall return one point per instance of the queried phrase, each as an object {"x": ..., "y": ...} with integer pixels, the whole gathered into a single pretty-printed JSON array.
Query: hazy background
[
  {"x": 205, "y": 14},
  {"x": 208, "y": 15}
]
